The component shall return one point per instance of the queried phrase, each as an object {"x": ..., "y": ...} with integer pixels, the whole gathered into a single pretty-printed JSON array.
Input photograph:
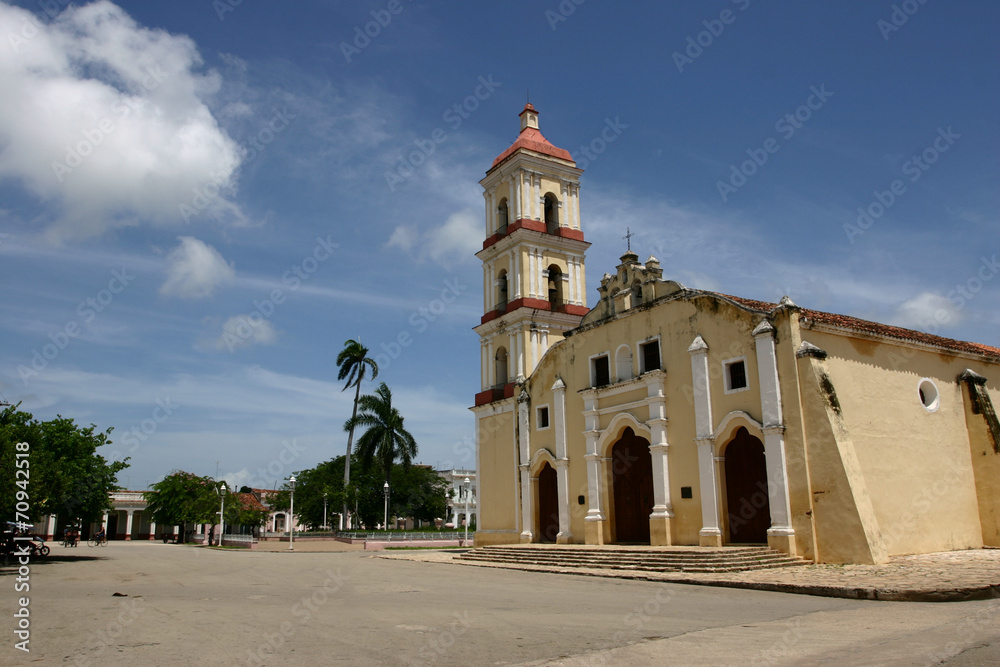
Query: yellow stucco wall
[
  {"x": 497, "y": 483},
  {"x": 917, "y": 464},
  {"x": 986, "y": 467}
]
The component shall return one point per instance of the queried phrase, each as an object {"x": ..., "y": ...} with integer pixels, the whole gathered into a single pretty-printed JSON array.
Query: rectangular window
[
  {"x": 736, "y": 375},
  {"x": 600, "y": 371},
  {"x": 650, "y": 356},
  {"x": 543, "y": 417}
]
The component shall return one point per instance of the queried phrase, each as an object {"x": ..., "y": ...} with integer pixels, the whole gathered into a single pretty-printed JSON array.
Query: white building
[{"x": 462, "y": 497}]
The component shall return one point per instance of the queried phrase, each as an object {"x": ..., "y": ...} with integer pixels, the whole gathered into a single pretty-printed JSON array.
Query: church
[{"x": 670, "y": 415}]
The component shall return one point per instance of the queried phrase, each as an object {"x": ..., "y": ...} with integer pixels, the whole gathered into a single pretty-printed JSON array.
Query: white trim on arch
[
  {"x": 726, "y": 425},
  {"x": 540, "y": 458},
  {"x": 610, "y": 435}
]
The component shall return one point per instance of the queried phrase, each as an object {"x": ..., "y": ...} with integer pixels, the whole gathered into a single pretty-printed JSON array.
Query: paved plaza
[{"x": 185, "y": 605}]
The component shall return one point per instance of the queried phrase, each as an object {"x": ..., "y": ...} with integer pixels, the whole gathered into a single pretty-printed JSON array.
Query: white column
[
  {"x": 511, "y": 354},
  {"x": 516, "y": 262},
  {"x": 774, "y": 431},
  {"x": 488, "y": 218},
  {"x": 710, "y": 532},
  {"x": 484, "y": 365},
  {"x": 575, "y": 206},
  {"x": 532, "y": 293},
  {"x": 592, "y": 435},
  {"x": 128, "y": 525},
  {"x": 565, "y": 191},
  {"x": 543, "y": 288},
  {"x": 532, "y": 204},
  {"x": 540, "y": 286},
  {"x": 518, "y": 181},
  {"x": 565, "y": 535},
  {"x": 152, "y": 530},
  {"x": 521, "y": 371},
  {"x": 570, "y": 280},
  {"x": 487, "y": 288},
  {"x": 581, "y": 297},
  {"x": 658, "y": 446},
  {"x": 491, "y": 369},
  {"x": 492, "y": 215},
  {"x": 524, "y": 453}
]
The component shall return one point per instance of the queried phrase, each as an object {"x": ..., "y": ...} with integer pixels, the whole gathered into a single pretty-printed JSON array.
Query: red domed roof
[{"x": 531, "y": 139}]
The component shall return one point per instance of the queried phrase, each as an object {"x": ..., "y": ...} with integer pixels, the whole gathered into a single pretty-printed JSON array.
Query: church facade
[{"x": 667, "y": 415}]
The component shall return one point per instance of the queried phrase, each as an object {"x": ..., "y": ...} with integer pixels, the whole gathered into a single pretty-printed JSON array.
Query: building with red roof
[{"x": 669, "y": 415}]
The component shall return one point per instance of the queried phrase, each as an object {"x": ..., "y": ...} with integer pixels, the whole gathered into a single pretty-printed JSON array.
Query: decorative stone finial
[
  {"x": 807, "y": 349},
  {"x": 698, "y": 345}
]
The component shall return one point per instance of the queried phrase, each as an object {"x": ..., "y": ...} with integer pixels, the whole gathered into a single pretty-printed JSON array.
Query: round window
[{"x": 929, "y": 396}]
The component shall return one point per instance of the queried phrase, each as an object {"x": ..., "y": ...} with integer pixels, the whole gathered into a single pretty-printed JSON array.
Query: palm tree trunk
[{"x": 347, "y": 461}]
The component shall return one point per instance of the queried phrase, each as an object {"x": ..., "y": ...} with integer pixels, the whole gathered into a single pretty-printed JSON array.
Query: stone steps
[{"x": 726, "y": 559}]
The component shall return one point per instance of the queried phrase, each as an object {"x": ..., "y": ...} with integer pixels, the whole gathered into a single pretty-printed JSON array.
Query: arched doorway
[
  {"x": 746, "y": 489},
  {"x": 548, "y": 505},
  {"x": 632, "y": 468}
]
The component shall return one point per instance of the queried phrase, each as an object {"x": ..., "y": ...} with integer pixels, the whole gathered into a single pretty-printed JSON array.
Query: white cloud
[
  {"x": 404, "y": 237},
  {"x": 244, "y": 331},
  {"x": 453, "y": 242},
  {"x": 195, "y": 270},
  {"x": 926, "y": 312},
  {"x": 107, "y": 119}
]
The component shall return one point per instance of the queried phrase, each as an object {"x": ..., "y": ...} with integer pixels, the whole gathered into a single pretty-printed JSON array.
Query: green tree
[
  {"x": 354, "y": 362},
  {"x": 182, "y": 497},
  {"x": 63, "y": 475},
  {"x": 311, "y": 486},
  {"x": 418, "y": 493},
  {"x": 385, "y": 437}
]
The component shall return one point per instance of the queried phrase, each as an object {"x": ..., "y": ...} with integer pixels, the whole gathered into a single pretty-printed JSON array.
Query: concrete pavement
[{"x": 195, "y": 605}]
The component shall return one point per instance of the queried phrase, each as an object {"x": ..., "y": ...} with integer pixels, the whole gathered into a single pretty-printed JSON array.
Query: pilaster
[
  {"x": 780, "y": 535},
  {"x": 524, "y": 459},
  {"x": 659, "y": 519},
  {"x": 710, "y": 534}
]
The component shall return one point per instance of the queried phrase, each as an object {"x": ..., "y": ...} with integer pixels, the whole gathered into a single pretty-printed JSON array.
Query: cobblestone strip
[{"x": 942, "y": 577}]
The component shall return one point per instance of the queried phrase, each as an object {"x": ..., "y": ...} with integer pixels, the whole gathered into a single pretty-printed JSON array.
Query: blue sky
[{"x": 200, "y": 202}]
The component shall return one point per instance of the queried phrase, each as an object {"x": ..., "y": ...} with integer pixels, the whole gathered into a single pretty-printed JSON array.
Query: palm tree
[
  {"x": 386, "y": 439},
  {"x": 354, "y": 362}
]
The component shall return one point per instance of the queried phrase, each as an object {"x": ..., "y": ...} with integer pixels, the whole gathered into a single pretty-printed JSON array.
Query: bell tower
[{"x": 534, "y": 286}]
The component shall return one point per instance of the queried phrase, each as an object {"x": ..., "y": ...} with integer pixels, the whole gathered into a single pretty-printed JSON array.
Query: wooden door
[
  {"x": 548, "y": 505},
  {"x": 746, "y": 490},
  {"x": 632, "y": 468}
]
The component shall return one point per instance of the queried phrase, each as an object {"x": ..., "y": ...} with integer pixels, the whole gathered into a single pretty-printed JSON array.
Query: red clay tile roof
[
  {"x": 874, "y": 328},
  {"x": 532, "y": 140},
  {"x": 249, "y": 502}
]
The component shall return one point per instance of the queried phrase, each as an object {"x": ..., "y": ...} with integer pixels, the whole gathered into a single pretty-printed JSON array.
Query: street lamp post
[
  {"x": 468, "y": 492},
  {"x": 324, "y": 511},
  {"x": 291, "y": 515},
  {"x": 385, "y": 515},
  {"x": 222, "y": 511}
]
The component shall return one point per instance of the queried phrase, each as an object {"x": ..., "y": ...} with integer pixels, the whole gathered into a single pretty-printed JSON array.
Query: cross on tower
[{"x": 628, "y": 238}]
